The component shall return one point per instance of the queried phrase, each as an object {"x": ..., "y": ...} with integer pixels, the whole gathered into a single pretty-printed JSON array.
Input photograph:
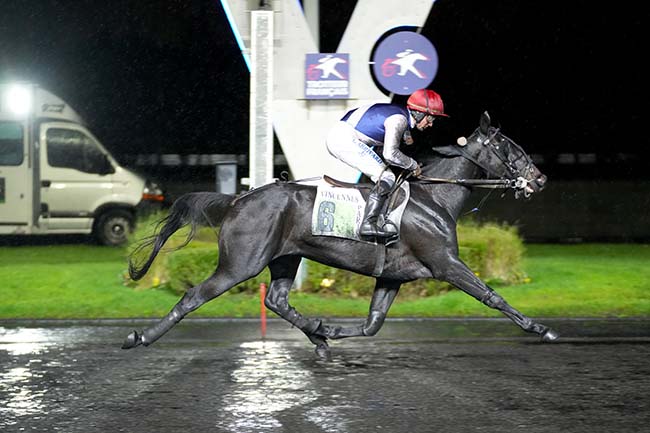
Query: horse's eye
[{"x": 531, "y": 169}]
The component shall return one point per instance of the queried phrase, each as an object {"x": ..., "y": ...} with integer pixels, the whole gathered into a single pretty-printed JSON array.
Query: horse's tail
[{"x": 198, "y": 208}]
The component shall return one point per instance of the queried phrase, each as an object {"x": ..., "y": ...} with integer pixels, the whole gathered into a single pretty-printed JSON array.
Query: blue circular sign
[{"x": 405, "y": 62}]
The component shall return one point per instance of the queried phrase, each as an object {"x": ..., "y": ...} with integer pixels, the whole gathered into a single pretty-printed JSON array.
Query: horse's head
[{"x": 501, "y": 158}]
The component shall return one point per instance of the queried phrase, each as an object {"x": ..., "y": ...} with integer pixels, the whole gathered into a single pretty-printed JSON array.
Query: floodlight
[{"x": 18, "y": 99}]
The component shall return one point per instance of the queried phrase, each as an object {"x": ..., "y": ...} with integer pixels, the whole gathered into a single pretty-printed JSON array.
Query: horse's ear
[{"x": 484, "y": 125}]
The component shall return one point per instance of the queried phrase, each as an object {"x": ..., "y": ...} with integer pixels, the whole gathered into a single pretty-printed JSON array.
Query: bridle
[
  {"x": 516, "y": 181},
  {"x": 508, "y": 163}
]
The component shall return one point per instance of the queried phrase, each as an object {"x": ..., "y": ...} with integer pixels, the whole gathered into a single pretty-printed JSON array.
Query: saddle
[{"x": 341, "y": 184}]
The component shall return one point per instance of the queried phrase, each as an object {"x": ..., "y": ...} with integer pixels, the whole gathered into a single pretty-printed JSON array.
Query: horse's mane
[{"x": 440, "y": 155}]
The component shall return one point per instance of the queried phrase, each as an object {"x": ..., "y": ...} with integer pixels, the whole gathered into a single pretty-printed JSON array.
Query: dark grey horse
[{"x": 271, "y": 226}]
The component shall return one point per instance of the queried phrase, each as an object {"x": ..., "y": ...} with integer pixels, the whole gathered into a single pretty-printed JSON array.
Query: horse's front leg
[
  {"x": 382, "y": 299},
  {"x": 458, "y": 274}
]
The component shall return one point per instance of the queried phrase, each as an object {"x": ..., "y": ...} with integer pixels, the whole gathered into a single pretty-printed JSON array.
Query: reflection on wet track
[
  {"x": 267, "y": 381},
  {"x": 414, "y": 376},
  {"x": 18, "y": 382}
]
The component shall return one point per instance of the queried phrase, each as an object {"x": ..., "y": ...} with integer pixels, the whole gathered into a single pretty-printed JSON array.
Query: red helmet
[{"x": 426, "y": 101}]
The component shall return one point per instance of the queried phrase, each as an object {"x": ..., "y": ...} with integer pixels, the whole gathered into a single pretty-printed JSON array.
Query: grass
[
  {"x": 590, "y": 280},
  {"x": 84, "y": 281}
]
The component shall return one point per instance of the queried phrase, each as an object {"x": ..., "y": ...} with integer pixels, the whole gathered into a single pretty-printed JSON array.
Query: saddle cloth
[{"x": 339, "y": 211}]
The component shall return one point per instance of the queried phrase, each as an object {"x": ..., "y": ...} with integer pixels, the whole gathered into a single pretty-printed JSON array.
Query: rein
[{"x": 479, "y": 183}]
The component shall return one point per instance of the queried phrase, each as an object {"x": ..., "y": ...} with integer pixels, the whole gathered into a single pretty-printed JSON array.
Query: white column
[{"x": 261, "y": 98}]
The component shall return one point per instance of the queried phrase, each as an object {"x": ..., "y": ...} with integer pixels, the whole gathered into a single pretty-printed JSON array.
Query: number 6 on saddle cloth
[{"x": 339, "y": 209}]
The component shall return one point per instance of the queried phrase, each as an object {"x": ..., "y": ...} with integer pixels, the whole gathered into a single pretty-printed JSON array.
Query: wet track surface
[{"x": 414, "y": 376}]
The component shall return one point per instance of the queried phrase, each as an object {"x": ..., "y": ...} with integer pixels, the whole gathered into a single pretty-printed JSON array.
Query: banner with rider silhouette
[{"x": 327, "y": 76}]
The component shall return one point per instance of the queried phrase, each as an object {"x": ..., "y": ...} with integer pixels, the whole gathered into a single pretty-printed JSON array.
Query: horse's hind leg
[
  {"x": 283, "y": 273},
  {"x": 382, "y": 299},
  {"x": 462, "y": 277},
  {"x": 198, "y": 295}
]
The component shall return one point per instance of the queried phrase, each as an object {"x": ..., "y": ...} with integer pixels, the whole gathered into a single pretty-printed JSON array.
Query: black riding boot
[{"x": 374, "y": 205}]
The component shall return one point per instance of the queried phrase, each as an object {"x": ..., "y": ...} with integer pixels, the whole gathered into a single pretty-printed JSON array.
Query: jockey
[{"x": 360, "y": 130}]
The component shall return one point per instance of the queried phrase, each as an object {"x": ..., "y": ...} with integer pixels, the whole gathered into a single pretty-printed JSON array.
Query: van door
[
  {"x": 75, "y": 176},
  {"x": 16, "y": 178}
]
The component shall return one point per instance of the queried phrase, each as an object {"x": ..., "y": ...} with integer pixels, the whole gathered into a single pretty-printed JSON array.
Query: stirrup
[{"x": 390, "y": 227}]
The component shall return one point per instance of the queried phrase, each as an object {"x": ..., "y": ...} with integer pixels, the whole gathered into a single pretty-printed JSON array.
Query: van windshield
[{"x": 67, "y": 148}]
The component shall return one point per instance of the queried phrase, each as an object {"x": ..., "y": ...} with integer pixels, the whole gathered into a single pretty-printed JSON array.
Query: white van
[{"x": 56, "y": 177}]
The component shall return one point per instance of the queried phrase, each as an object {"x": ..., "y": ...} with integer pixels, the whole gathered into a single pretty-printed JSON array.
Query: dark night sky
[{"x": 166, "y": 75}]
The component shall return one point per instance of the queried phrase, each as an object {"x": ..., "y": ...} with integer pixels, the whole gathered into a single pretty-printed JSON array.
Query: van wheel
[{"x": 113, "y": 227}]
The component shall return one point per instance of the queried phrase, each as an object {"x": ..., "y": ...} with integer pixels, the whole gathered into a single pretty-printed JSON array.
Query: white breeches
[{"x": 345, "y": 143}]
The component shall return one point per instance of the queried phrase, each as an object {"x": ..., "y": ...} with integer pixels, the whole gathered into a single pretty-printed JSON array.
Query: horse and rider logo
[
  {"x": 326, "y": 66},
  {"x": 327, "y": 76},
  {"x": 405, "y": 62}
]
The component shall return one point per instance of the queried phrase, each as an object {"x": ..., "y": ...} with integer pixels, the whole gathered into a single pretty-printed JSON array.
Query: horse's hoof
[
  {"x": 317, "y": 340},
  {"x": 550, "y": 336},
  {"x": 323, "y": 352},
  {"x": 332, "y": 332},
  {"x": 132, "y": 340}
]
